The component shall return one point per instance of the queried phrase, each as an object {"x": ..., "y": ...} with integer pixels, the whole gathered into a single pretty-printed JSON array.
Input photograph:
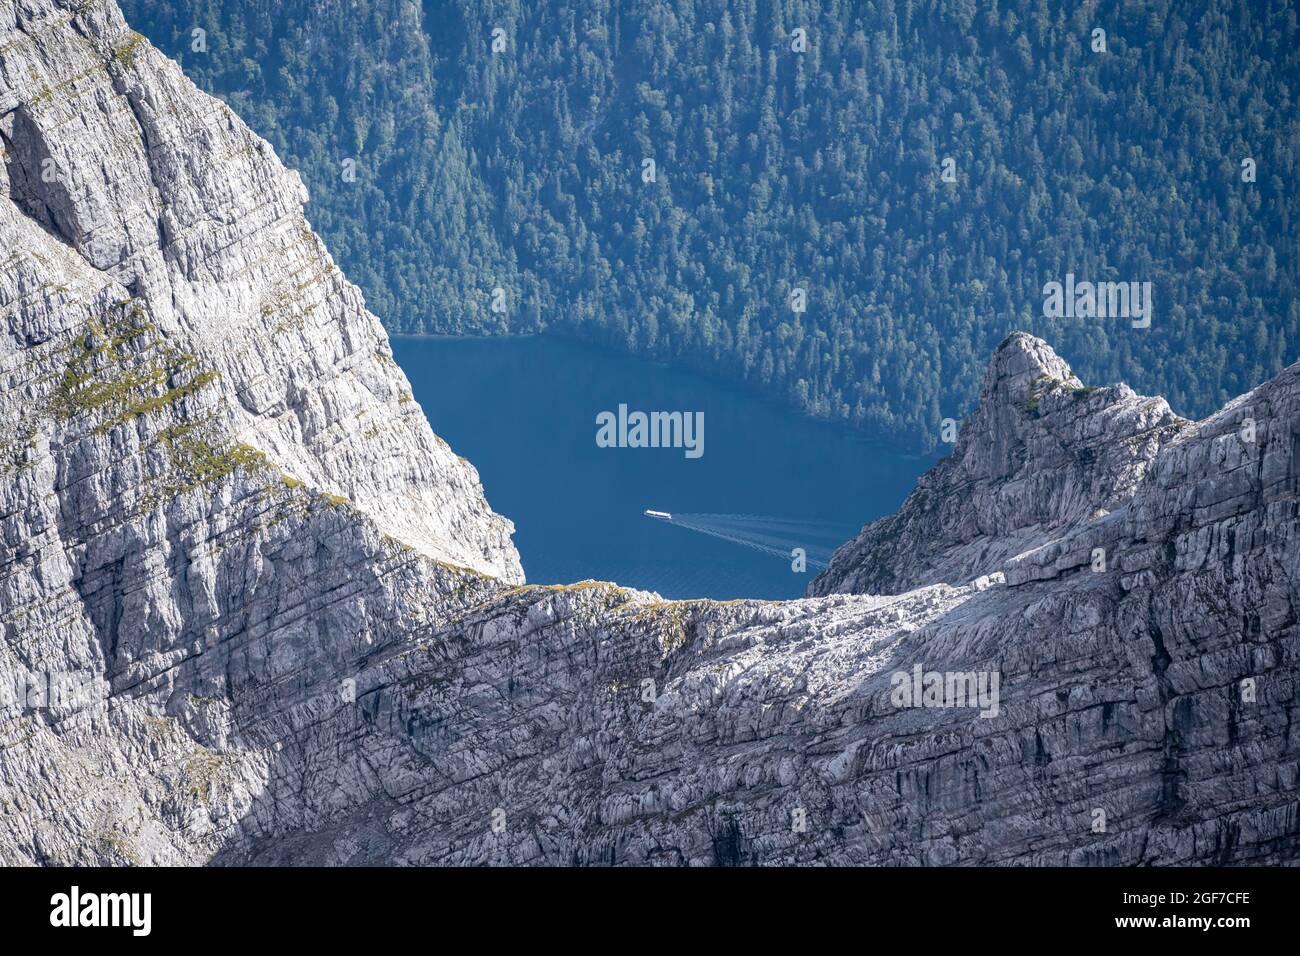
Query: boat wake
[{"x": 775, "y": 536}]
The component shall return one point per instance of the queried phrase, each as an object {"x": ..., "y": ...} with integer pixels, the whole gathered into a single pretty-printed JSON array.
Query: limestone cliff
[
  {"x": 285, "y": 627},
  {"x": 1041, "y": 454},
  {"x": 159, "y": 272}
]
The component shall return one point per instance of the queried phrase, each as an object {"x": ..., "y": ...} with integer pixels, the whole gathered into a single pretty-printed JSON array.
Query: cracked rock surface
[
  {"x": 1041, "y": 454},
  {"x": 282, "y": 624}
]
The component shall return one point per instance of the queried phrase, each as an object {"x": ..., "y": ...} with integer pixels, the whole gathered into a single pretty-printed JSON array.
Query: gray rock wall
[{"x": 286, "y": 627}]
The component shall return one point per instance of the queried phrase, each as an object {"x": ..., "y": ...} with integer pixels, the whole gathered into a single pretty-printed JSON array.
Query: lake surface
[{"x": 524, "y": 411}]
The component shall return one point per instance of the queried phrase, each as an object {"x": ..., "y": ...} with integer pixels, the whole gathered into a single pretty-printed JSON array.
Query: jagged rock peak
[
  {"x": 1041, "y": 452},
  {"x": 1018, "y": 363}
]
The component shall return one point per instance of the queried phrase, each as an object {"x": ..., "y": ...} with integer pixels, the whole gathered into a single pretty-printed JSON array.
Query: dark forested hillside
[{"x": 796, "y": 145}]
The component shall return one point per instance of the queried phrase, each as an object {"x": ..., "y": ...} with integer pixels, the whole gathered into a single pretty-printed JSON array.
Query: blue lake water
[{"x": 524, "y": 411}]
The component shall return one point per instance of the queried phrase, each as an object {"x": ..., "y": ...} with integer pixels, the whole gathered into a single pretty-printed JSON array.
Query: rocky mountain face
[
  {"x": 259, "y": 613},
  {"x": 1042, "y": 454}
]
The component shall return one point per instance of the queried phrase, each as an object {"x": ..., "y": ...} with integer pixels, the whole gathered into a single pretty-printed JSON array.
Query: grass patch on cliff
[
  {"x": 17, "y": 442},
  {"x": 1031, "y": 403},
  {"x": 201, "y": 771},
  {"x": 201, "y": 461},
  {"x": 118, "y": 370},
  {"x": 108, "y": 377},
  {"x": 126, "y": 52}
]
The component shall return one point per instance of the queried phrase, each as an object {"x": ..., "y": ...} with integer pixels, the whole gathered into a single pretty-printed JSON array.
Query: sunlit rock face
[
  {"x": 1041, "y": 455},
  {"x": 283, "y": 625},
  {"x": 134, "y": 202}
]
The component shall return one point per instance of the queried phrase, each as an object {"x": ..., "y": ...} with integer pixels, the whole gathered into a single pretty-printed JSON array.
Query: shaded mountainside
[
  {"x": 776, "y": 170},
  {"x": 297, "y": 633}
]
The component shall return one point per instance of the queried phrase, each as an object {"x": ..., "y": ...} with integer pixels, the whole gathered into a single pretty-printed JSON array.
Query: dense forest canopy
[{"x": 917, "y": 171}]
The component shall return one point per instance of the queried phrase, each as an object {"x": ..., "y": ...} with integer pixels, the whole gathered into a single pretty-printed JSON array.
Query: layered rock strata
[{"x": 260, "y": 614}]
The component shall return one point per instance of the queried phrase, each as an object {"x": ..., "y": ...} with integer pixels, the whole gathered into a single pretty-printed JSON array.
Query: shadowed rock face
[{"x": 297, "y": 631}]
